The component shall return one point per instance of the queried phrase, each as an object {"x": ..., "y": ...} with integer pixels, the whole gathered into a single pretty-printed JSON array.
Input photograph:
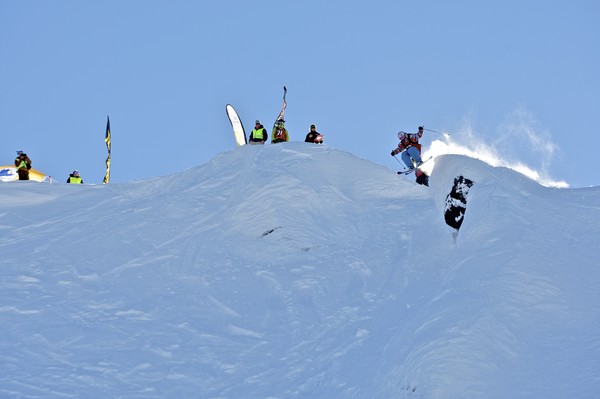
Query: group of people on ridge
[
  {"x": 280, "y": 134},
  {"x": 409, "y": 148},
  {"x": 23, "y": 165}
]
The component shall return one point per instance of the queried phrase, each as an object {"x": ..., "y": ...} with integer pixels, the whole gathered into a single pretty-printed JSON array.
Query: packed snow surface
[{"x": 299, "y": 271}]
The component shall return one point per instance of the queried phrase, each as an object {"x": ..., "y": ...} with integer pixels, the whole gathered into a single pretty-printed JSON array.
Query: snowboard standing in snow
[{"x": 456, "y": 202}]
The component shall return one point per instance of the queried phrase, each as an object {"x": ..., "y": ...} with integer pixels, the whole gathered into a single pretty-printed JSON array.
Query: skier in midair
[{"x": 410, "y": 148}]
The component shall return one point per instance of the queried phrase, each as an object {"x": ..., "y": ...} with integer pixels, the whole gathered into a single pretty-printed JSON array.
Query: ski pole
[
  {"x": 435, "y": 131},
  {"x": 402, "y": 171}
]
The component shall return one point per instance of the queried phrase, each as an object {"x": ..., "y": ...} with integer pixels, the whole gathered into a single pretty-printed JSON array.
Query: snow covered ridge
[{"x": 299, "y": 271}]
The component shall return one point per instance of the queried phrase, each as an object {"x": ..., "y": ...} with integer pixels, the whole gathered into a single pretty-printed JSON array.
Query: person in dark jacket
[
  {"x": 259, "y": 134},
  {"x": 23, "y": 164},
  {"x": 74, "y": 178},
  {"x": 313, "y": 136}
]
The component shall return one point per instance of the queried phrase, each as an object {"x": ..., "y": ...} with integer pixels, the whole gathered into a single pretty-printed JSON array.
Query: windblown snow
[{"x": 299, "y": 271}]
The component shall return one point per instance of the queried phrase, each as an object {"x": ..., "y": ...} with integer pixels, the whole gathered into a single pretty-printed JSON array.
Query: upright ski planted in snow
[
  {"x": 280, "y": 116},
  {"x": 236, "y": 124},
  {"x": 107, "y": 140}
]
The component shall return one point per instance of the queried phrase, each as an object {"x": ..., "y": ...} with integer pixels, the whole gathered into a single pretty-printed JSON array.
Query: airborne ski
[{"x": 410, "y": 170}]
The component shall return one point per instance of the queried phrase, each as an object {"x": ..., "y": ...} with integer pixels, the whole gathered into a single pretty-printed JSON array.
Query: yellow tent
[{"x": 9, "y": 173}]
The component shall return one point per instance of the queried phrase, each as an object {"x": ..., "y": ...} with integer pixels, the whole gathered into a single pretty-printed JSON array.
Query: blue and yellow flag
[{"x": 107, "y": 141}]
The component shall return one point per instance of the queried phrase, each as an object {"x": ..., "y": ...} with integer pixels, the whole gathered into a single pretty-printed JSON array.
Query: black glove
[{"x": 393, "y": 153}]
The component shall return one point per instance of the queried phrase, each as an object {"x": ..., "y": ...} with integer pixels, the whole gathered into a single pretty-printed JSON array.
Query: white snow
[{"x": 299, "y": 271}]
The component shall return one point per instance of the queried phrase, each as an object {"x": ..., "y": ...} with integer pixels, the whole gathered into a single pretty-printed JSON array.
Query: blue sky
[{"x": 518, "y": 76}]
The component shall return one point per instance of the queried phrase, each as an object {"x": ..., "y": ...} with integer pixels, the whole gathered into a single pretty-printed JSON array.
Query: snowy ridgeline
[{"x": 299, "y": 271}]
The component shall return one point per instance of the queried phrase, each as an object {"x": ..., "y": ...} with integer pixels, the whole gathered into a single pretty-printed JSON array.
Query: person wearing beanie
[
  {"x": 23, "y": 165},
  {"x": 280, "y": 133},
  {"x": 75, "y": 178},
  {"x": 259, "y": 134},
  {"x": 313, "y": 136}
]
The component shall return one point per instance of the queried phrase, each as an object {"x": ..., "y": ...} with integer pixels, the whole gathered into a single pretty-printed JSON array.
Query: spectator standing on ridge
[
  {"x": 280, "y": 133},
  {"x": 74, "y": 178},
  {"x": 313, "y": 136},
  {"x": 259, "y": 134},
  {"x": 23, "y": 164}
]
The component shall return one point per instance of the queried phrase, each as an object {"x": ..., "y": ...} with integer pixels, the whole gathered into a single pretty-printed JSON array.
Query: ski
[
  {"x": 410, "y": 170},
  {"x": 236, "y": 124}
]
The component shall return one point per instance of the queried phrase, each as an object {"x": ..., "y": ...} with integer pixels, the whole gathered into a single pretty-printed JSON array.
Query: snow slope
[{"x": 299, "y": 271}]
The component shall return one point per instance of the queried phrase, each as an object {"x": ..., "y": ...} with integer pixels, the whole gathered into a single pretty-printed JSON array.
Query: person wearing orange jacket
[
  {"x": 410, "y": 148},
  {"x": 280, "y": 133}
]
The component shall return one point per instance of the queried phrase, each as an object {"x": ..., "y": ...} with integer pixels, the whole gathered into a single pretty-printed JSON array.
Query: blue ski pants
[{"x": 411, "y": 152}]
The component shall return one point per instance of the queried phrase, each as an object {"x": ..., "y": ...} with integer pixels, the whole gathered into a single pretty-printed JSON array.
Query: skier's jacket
[{"x": 408, "y": 140}]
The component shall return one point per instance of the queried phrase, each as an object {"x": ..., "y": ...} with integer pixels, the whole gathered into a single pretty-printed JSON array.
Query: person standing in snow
[
  {"x": 74, "y": 178},
  {"x": 313, "y": 136},
  {"x": 259, "y": 134},
  {"x": 23, "y": 164},
  {"x": 280, "y": 133},
  {"x": 410, "y": 148}
]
